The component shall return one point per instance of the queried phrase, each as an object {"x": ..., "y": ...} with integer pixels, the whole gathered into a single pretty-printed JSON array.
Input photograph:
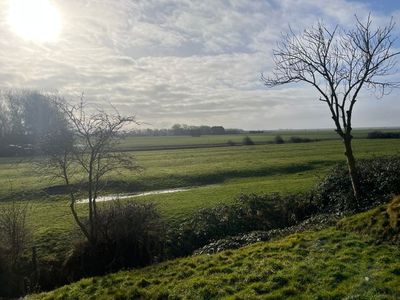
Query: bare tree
[
  {"x": 338, "y": 63},
  {"x": 84, "y": 164},
  {"x": 14, "y": 232}
]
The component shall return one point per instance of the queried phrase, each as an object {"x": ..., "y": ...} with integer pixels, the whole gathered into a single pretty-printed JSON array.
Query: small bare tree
[
  {"x": 338, "y": 63},
  {"x": 14, "y": 232},
  {"x": 84, "y": 163}
]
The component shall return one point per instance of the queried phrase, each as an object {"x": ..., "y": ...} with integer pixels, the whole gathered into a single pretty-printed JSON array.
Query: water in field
[{"x": 133, "y": 195}]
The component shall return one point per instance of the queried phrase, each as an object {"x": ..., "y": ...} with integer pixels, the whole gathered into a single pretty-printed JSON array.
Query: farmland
[
  {"x": 215, "y": 175},
  {"x": 166, "y": 142}
]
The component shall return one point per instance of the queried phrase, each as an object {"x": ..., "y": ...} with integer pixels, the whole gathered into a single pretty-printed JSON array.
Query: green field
[
  {"x": 165, "y": 142},
  {"x": 216, "y": 175}
]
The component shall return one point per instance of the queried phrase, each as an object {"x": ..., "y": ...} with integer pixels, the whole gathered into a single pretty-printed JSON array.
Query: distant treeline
[
  {"x": 383, "y": 135},
  {"x": 27, "y": 120},
  {"x": 183, "y": 129}
]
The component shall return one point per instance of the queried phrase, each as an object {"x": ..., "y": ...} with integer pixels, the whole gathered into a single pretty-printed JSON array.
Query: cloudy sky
[{"x": 179, "y": 61}]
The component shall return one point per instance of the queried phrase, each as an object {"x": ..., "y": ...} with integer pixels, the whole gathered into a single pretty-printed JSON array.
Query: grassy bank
[{"x": 327, "y": 264}]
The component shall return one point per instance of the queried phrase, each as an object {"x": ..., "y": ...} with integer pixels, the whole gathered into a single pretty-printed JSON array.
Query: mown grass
[{"x": 328, "y": 264}]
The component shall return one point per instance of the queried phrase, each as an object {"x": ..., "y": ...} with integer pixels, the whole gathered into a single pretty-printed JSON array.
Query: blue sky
[
  {"x": 386, "y": 6},
  {"x": 183, "y": 61}
]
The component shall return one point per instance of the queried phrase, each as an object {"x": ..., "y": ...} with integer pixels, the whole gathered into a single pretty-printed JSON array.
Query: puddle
[{"x": 134, "y": 195}]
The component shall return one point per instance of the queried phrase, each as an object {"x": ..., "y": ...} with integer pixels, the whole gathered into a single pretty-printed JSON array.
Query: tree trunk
[
  {"x": 351, "y": 163},
  {"x": 78, "y": 222}
]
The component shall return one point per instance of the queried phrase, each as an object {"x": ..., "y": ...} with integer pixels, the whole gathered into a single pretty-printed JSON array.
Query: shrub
[
  {"x": 247, "y": 141},
  {"x": 129, "y": 235},
  {"x": 296, "y": 139},
  {"x": 14, "y": 232},
  {"x": 14, "y": 235},
  {"x": 278, "y": 140},
  {"x": 379, "y": 180},
  {"x": 247, "y": 213}
]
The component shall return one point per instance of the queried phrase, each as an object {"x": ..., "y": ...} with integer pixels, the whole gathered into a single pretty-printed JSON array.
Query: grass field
[
  {"x": 165, "y": 142},
  {"x": 217, "y": 175}
]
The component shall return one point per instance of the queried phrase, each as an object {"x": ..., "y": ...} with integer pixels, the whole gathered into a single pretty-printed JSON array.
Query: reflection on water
[{"x": 133, "y": 195}]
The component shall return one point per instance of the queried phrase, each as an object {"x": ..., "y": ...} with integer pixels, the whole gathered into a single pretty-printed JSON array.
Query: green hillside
[{"x": 334, "y": 263}]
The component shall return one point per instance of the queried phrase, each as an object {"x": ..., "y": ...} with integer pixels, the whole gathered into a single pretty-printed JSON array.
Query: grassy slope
[{"x": 327, "y": 264}]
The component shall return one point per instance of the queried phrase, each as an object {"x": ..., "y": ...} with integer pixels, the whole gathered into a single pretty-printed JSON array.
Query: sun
[{"x": 34, "y": 20}]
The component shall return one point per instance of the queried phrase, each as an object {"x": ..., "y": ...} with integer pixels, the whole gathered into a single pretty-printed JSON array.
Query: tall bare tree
[
  {"x": 339, "y": 64},
  {"x": 86, "y": 162}
]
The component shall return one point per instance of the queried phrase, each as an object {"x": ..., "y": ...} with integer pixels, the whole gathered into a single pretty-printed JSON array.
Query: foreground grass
[{"x": 328, "y": 264}]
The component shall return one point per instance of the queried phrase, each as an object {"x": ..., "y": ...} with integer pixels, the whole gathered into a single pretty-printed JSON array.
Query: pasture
[
  {"x": 168, "y": 142},
  {"x": 214, "y": 175}
]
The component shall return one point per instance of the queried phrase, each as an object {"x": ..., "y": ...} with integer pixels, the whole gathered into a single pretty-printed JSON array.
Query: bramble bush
[
  {"x": 379, "y": 181},
  {"x": 247, "y": 213}
]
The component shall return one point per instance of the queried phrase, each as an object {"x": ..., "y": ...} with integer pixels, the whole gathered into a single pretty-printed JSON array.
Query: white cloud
[{"x": 185, "y": 61}]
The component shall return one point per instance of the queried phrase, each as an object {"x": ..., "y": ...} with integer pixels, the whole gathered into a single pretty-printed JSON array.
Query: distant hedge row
[{"x": 383, "y": 135}]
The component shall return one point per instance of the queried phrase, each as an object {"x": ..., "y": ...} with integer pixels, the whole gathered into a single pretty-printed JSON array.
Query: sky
[{"x": 180, "y": 61}]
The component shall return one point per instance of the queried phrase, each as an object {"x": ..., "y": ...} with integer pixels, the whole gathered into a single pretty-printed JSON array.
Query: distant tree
[
  {"x": 195, "y": 132},
  {"x": 177, "y": 129},
  {"x": 278, "y": 140},
  {"x": 204, "y": 129},
  {"x": 217, "y": 130},
  {"x": 247, "y": 141},
  {"x": 233, "y": 131},
  {"x": 89, "y": 159},
  {"x": 338, "y": 63},
  {"x": 26, "y": 118}
]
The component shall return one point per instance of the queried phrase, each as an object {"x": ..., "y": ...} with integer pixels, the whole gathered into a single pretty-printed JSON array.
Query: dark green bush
[
  {"x": 247, "y": 141},
  {"x": 379, "y": 180},
  {"x": 278, "y": 140},
  {"x": 297, "y": 139},
  {"x": 247, "y": 213}
]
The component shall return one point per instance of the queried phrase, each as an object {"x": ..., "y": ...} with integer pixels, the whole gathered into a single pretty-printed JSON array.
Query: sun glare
[{"x": 34, "y": 20}]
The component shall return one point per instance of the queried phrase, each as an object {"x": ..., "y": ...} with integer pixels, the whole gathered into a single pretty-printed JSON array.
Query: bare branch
[
  {"x": 90, "y": 156},
  {"x": 338, "y": 64}
]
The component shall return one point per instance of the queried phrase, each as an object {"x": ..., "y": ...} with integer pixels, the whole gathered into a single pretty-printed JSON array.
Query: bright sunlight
[{"x": 34, "y": 20}]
